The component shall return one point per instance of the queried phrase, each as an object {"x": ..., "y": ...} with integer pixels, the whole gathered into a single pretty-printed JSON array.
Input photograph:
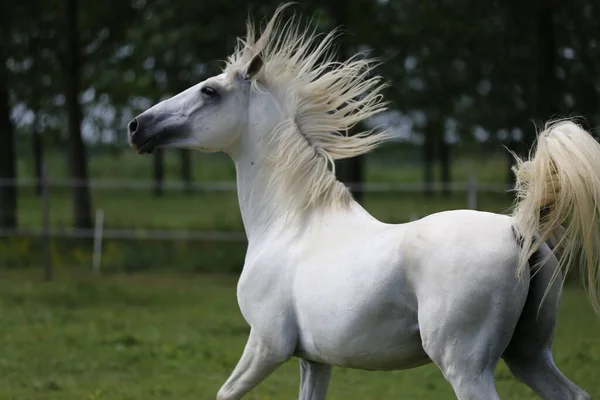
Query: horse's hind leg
[
  {"x": 466, "y": 356},
  {"x": 529, "y": 355},
  {"x": 466, "y": 331},
  {"x": 541, "y": 374}
]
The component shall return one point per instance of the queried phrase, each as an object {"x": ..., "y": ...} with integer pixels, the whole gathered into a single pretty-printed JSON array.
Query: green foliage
[
  {"x": 478, "y": 62},
  {"x": 472, "y": 62},
  {"x": 454, "y": 66},
  {"x": 158, "y": 336}
]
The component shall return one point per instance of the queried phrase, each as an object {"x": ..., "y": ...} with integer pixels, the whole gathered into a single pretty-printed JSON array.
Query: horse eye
[{"x": 208, "y": 91}]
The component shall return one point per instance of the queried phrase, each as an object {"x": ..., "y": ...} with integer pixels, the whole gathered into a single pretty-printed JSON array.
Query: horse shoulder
[{"x": 264, "y": 286}]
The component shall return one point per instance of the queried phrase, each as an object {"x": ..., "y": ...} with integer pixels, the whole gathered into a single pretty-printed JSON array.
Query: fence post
[
  {"x": 99, "y": 227},
  {"x": 472, "y": 193},
  {"x": 48, "y": 273}
]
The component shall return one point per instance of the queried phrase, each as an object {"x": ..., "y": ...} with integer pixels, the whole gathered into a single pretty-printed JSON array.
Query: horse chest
[{"x": 263, "y": 291}]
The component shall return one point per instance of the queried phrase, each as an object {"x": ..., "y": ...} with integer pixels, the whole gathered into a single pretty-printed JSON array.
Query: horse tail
[{"x": 558, "y": 200}]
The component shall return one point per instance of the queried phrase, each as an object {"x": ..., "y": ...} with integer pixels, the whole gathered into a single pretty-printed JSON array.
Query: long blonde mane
[{"x": 322, "y": 100}]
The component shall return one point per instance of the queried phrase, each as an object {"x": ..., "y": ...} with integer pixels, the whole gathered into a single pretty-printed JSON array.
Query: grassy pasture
[{"x": 166, "y": 336}]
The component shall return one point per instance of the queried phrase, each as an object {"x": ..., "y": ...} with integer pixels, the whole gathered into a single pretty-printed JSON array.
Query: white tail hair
[{"x": 558, "y": 197}]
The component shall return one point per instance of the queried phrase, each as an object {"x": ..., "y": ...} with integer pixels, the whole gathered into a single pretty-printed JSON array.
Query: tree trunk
[
  {"x": 589, "y": 95},
  {"x": 158, "y": 171},
  {"x": 77, "y": 156},
  {"x": 36, "y": 140},
  {"x": 546, "y": 94},
  {"x": 38, "y": 154},
  {"x": 351, "y": 170},
  {"x": 186, "y": 169},
  {"x": 445, "y": 161},
  {"x": 428, "y": 159},
  {"x": 510, "y": 161},
  {"x": 8, "y": 170},
  {"x": 36, "y": 101}
]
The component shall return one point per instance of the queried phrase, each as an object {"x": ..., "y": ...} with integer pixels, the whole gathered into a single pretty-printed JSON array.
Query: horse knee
[
  {"x": 222, "y": 395},
  {"x": 473, "y": 387}
]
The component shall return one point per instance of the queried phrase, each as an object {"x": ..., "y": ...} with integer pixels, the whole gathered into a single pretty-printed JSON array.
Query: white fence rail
[
  {"x": 125, "y": 234},
  {"x": 472, "y": 188},
  {"x": 230, "y": 186}
]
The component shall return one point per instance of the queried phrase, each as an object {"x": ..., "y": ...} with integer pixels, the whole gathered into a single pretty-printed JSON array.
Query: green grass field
[
  {"x": 168, "y": 336},
  {"x": 177, "y": 334}
]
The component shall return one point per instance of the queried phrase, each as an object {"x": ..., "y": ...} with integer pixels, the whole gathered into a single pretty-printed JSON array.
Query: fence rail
[
  {"x": 141, "y": 234},
  {"x": 471, "y": 187},
  {"x": 230, "y": 186}
]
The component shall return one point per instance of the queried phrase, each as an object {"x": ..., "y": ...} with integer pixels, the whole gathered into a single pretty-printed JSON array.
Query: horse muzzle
[{"x": 149, "y": 131}]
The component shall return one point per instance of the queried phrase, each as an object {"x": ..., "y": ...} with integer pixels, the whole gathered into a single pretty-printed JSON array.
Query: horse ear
[{"x": 254, "y": 67}]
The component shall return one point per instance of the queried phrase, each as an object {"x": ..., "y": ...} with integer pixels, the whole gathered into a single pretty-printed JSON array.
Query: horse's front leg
[
  {"x": 314, "y": 380},
  {"x": 261, "y": 357}
]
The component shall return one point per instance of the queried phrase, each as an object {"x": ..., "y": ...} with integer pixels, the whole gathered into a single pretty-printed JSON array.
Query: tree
[
  {"x": 186, "y": 169},
  {"x": 457, "y": 65},
  {"x": 158, "y": 168},
  {"x": 342, "y": 16},
  {"x": 578, "y": 54},
  {"x": 546, "y": 99},
  {"x": 33, "y": 72},
  {"x": 77, "y": 153},
  {"x": 8, "y": 190},
  {"x": 37, "y": 147},
  {"x": 479, "y": 65}
]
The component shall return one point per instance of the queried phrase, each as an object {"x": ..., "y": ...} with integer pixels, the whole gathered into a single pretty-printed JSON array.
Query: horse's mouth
[
  {"x": 148, "y": 146},
  {"x": 146, "y": 141}
]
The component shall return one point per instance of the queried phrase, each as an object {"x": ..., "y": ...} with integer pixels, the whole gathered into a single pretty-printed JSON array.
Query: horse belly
[
  {"x": 363, "y": 342},
  {"x": 369, "y": 324}
]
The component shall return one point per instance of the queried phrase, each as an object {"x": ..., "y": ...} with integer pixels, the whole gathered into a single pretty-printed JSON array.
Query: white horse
[{"x": 326, "y": 282}]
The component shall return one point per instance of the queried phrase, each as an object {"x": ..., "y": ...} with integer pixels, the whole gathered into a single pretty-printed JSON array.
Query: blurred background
[{"x": 143, "y": 251}]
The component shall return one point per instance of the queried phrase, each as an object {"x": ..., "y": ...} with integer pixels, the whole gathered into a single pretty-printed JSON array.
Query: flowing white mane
[{"x": 322, "y": 100}]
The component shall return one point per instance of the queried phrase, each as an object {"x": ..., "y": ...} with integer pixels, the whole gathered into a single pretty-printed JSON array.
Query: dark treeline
[{"x": 456, "y": 67}]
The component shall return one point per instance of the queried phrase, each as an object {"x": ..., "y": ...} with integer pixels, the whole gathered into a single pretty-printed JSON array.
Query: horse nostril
[{"x": 133, "y": 126}]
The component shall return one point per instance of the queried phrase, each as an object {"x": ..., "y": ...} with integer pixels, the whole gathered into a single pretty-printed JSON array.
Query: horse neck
[{"x": 266, "y": 211}]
